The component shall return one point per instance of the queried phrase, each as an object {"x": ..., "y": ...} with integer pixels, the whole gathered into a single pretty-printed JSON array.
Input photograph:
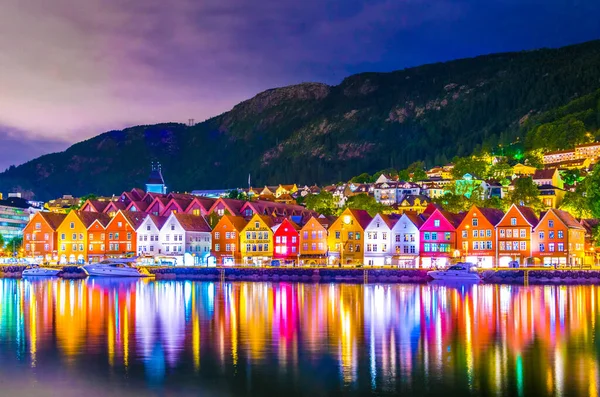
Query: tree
[
  {"x": 212, "y": 219},
  {"x": 526, "y": 193},
  {"x": 237, "y": 195},
  {"x": 323, "y": 203},
  {"x": 592, "y": 192},
  {"x": 533, "y": 158},
  {"x": 1, "y": 242},
  {"x": 469, "y": 165},
  {"x": 362, "y": 178},
  {"x": 571, "y": 177},
  {"x": 500, "y": 171},
  {"x": 365, "y": 202},
  {"x": 576, "y": 203},
  {"x": 15, "y": 244}
]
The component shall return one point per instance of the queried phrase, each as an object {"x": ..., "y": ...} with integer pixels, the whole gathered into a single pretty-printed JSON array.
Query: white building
[
  {"x": 378, "y": 241},
  {"x": 186, "y": 238},
  {"x": 405, "y": 240},
  {"x": 148, "y": 233}
]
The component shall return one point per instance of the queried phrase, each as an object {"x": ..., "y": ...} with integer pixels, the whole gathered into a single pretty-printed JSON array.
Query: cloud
[{"x": 71, "y": 69}]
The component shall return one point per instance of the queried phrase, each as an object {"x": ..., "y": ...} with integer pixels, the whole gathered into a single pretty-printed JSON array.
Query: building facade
[
  {"x": 558, "y": 239},
  {"x": 477, "y": 236},
  {"x": 286, "y": 240},
  {"x": 438, "y": 238},
  {"x": 378, "y": 241},
  {"x": 226, "y": 247},
  {"x": 346, "y": 237},
  {"x": 256, "y": 241},
  {"x": 405, "y": 240},
  {"x": 514, "y": 233},
  {"x": 313, "y": 241},
  {"x": 39, "y": 236}
]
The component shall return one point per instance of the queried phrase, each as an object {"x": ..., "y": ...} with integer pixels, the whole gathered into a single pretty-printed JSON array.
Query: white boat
[
  {"x": 115, "y": 268},
  {"x": 458, "y": 272},
  {"x": 38, "y": 271}
]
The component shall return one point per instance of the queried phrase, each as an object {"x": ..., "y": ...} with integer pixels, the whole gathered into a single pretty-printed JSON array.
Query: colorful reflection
[{"x": 298, "y": 339}]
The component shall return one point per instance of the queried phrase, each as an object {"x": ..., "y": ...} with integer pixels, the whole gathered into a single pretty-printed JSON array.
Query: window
[
  {"x": 476, "y": 245},
  {"x": 447, "y": 236},
  {"x": 91, "y": 236},
  {"x": 475, "y": 221},
  {"x": 129, "y": 236},
  {"x": 167, "y": 248},
  {"x": 398, "y": 237},
  {"x": 218, "y": 235},
  {"x": 384, "y": 235},
  {"x": 488, "y": 245},
  {"x": 436, "y": 223},
  {"x": 227, "y": 247},
  {"x": 248, "y": 235},
  {"x": 116, "y": 246},
  {"x": 148, "y": 227},
  {"x": 102, "y": 247},
  {"x": 256, "y": 225},
  {"x": 266, "y": 247},
  {"x": 305, "y": 247},
  {"x": 305, "y": 234},
  {"x": 523, "y": 233},
  {"x": 551, "y": 247},
  {"x": 248, "y": 247},
  {"x": 541, "y": 235},
  {"x": 488, "y": 233},
  {"x": 523, "y": 245},
  {"x": 427, "y": 247},
  {"x": 27, "y": 247},
  {"x": 72, "y": 225},
  {"x": 509, "y": 232},
  {"x": 426, "y": 236},
  {"x": 434, "y": 236},
  {"x": 227, "y": 235},
  {"x": 357, "y": 235},
  {"x": 513, "y": 221},
  {"x": 434, "y": 247},
  {"x": 502, "y": 233},
  {"x": 63, "y": 247},
  {"x": 561, "y": 246},
  {"x": 46, "y": 236},
  {"x": 542, "y": 247},
  {"x": 515, "y": 245},
  {"x": 560, "y": 234},
  {"x": 350, "y": 236},
  {"x": 374, "y": 247},
  {"x": 102, "y": 236},
  {"x": 313, "y": 246},
  {"x": 74, "y": 246},
  {"x": 551, "y": 234},
  {"x": 46, "y": 247},
  {"x": 502, "y": 246},
  {"x": 475, "y": 233},
  {"x": 28, "y": 236},
  {"x": 116, "y": 236},
  {"x": 337, "y": 235},
  {"x": 293, "y": 239},
  {"x": 550, "y": 223},
  {"x": 38, "y": 225},
  {"x": 320, "y": 233}
]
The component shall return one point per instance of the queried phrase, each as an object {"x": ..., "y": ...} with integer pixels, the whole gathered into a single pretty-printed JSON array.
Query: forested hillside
[{"x": 315, "y": 133}]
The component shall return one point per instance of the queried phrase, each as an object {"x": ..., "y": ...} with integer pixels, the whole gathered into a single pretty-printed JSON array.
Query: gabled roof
[
  {"x": 158, "y": 221},
  {"x": 527, "y": 213},
  {"x": 103, "y": 221},
  {"x": 289, "y": 221},
  {"x": 454, "y": 219},
  {"x": 98, "y": 205},
  {"x": 192, "y": 223},
  {"x": 116, "y": 205},
  {"x": 431, "y": 207},
  {"x": 493, "y": 215},
  {"x": 134, "y": 218},
  {"x": 238, "y": 222},
  {"x": 138, "y": 193},
  {"x": 233, "y": 206},
  {"x": 544, "y": 174},
  {"x": 52, "y": 219},
  {"x": 155, "y": 177},
  {"x": 268, "y": 220},
  {"x": 417, "y": 220},
  {"x": 590, "y": 225},
  {"x": 566, "y": 218},
  {"x": 410, "y": 198},
  {"x": 362, "y": 217},
  {"x": 87, "y": 218},
  {"x": 139, "y": 205}
]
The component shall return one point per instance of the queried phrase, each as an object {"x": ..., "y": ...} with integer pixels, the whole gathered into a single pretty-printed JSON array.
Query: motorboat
[
  {"x": 39, "y": 271},
  {"x": 458, "y": 272},
  {"x": 115, "y": 268}
]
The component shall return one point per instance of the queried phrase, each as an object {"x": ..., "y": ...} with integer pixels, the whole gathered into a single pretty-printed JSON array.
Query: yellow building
[
  {"x": 285, "y": 189},
  {"x": 256, "y": 241},
  {"x": 346, "y": 237},
  {"x": 412, "y": 202},
  {"x": 521, "y": 169}
]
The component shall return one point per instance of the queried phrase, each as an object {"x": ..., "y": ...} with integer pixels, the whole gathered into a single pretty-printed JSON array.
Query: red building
[
  {"x": 438, "y": 238},
  {"x": 121, "y": 232},
  {"x": 287, "y": 241},
  {"x": 40, "y": 238}
]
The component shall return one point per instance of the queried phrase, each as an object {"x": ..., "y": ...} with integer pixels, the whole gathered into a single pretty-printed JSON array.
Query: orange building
[
  {"x": 346, "y": 237},
  {"x": 226, "y": 240},
  {"x": 121, "y": 233},
  {"x": 514, "y": 235},
  {"x": 558, "y": 239},
  {"x": 313, "y": 241},
  {"x": 39, "y": 236},
  {"x": 476, "y": 236},
  {"x": 73, "y": 236},
  {"x": 97, "y": 238}
]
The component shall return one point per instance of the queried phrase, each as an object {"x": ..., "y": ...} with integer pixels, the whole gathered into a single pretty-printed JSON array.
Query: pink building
[
  {"x": 438, "y": 238},
  {"x": 286, "y": 241}
]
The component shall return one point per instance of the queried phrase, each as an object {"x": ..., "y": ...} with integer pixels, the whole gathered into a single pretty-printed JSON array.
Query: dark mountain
[{"x": 315, "y": 133}]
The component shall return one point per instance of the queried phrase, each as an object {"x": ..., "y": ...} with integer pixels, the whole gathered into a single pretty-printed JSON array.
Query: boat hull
[
  {"x": 454, "y": 276},
  {"x": 40, "y": 272},
  {"x": 102, "y": 271}
]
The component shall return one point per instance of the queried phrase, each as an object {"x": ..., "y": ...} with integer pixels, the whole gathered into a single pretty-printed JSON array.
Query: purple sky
[{"x": 71, "y": 69}]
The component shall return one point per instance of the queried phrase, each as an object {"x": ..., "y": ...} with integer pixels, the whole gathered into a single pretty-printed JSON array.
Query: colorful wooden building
[
  {"x": 558, "y": 239},
  {"x": 256, "y": 240},
  {"x": 97, "y": 238},
  {"x": 346, "y": 237},
  {"x": 438, "y": 238},
  {"x": 40, "y": 238},
  {"x": 313, "y": 241},
  {"x": 286, "y": 242},
  {"x": 226, "y": 247},
  {"x": 73, "y": 236},
  {"x": 121, "y": 233},
  {"x": 514, "y": 235}
]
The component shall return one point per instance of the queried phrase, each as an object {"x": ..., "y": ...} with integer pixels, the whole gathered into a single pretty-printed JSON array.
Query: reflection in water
[{"x": 298, "y": 339}]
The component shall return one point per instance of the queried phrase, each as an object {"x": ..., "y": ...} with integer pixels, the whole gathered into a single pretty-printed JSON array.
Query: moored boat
[
  {"x": 115, "y": 268},
  {"x": 458, "y": 272},
  {"x": 39, "y": 271}
]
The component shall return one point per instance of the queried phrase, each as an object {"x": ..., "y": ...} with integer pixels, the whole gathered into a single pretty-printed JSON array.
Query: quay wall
[{"x": 541, "y": 276}]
